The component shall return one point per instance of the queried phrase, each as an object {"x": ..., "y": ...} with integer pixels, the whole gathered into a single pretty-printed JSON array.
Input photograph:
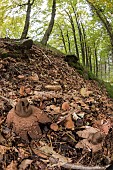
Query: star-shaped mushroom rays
[{"x": 25, "y": 120}]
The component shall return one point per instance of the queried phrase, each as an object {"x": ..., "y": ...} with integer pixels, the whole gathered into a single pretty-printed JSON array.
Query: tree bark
[
  {"x": 80, "y": 36},
  {"x": 90, "y": 60},
  {"x": 27, "y": 20},
  {"x": 96, "y": 60},
  {"x": 69, "y": 44},
  {"x": 63, "y": 39},
  {"x": 51, "y": 24},
  {"x": 74, "y": 34}
]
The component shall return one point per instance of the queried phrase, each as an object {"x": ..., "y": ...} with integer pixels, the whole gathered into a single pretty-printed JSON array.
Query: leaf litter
[{"x": 79, "y": 135}]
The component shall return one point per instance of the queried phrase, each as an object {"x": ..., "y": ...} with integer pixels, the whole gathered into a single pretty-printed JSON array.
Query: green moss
[
  {"x": 4, "y": 55},
  {"x": 109, "y": 89}
]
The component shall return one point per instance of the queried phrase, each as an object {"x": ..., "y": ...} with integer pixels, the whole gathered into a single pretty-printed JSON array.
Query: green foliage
[{"x": 109, "y": 89}]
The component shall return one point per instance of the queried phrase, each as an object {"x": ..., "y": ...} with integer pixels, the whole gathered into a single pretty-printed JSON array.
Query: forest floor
[{"x": 80, "y": 133}]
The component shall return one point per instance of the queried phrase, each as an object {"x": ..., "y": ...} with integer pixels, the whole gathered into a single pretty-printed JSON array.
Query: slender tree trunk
[
  {"x": 27, "y": 20},
  {"x": 96, "y": 61},
  {"x": 51, "y": 24},
  {"x": 85, "y": 47},
  {"x": 101, "y": 73},
  {"x": 90, "y": 61},
  {"x": 69, "y": 44},
  {"x": 63, "y": 39},
  {"x": 105, "y": 70},
  {"x": 74, "y": 33},
  {"x": 109, "y": 69},
  {"x": 80, "y": 36}
]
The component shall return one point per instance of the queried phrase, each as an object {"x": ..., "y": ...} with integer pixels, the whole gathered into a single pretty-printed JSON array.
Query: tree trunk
[
  {"x": 51, "y": 24},
  {"x": 26, "y": 26},
  {"x": 80, "y": 36},
  {"x": 74, "y": 34},
  {"x": 69, "y": 44},
  {"x": 90, "y": 61},
  {"x": 105, "y": 70},
  {"x": 63, "y": 39},
  {"x": 96, "y": 61}
]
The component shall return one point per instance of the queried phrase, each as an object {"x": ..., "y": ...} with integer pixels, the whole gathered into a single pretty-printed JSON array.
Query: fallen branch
[
  {"x": 46, "y": 57},
  {"x": 82, "y": 167}
]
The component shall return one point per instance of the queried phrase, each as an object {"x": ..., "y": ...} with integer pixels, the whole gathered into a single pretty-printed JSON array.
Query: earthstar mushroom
[{"x": 25, "y": 120}]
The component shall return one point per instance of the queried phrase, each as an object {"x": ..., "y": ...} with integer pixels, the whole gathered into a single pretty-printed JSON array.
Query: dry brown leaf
[
  {"x": 2, "y": 139},
  {"x": 106, "y": 126},
  {"x": 25, "y": 163},
  {"x": 34, "y": 77},
  {"x": 12, "y": 166},
  {"x": 22, "y": 153},
  {"x": 52, "y": 107},
  {"x": 3, "y": 149},
  {"x": 28, "y": 90},
  {"x": 54, "y": 126},
  {"x": 103, "y": 125},
  {"x": 65, "y": 106},
  {"x": 61, "y": 159},
  {"x": 69, "y": 124},
  {"x": 84, "y": 92},
  {"x": 93, "y": 139},
  {"x": 55, "y": 108},
  {"x": 39, "y": 153},
  {"x": 85, "y": 133},
  {"x": 22, "y": 90},
  {"x": 21, "y": 76},
  {"x": 85, "y": 144}
]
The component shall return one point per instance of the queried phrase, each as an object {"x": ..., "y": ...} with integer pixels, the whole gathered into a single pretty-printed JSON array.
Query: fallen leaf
[
  {"x": 25, "y": 163},
  {"x": 55, "y": 108},
  {"x": 106, "y": 126},
  {"x": 34, "y": 77},
  {"x": 12, "y": 166},
  {"x": 93, "y": 139},
  {"x": 85, "y": 144},
  {"x": 22, "y": 90},
  {"x": 28, "y": 90},
  {"x": 3, "y": 149},
  {"x": 22, "y": 153},
  {"x": 54, "y": 126},
  {"x": 84, "y": 92},
  {"x": 21, "y": 76},
  {"x": 85, "y": 133},
  {"x": 61, "y": 159}
]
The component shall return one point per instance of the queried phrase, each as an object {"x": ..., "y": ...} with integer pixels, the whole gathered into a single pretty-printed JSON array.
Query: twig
[
  {"x": 70, "y": 136},
  {"x": 46, "y": 57},
  {"x": 2, "y": 121},
  {"x": 81, "y": 167},
  {"x": 82, "y": 158},
  {"x": 8, "y": 100},
  {"x": 63, "y": 118}
]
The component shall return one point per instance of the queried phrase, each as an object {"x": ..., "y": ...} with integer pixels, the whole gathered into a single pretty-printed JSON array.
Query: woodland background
[{"x": 80, "y": 27}]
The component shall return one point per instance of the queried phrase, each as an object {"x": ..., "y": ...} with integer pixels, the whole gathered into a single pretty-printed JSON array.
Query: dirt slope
[{"x": 72, "y": 103}]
